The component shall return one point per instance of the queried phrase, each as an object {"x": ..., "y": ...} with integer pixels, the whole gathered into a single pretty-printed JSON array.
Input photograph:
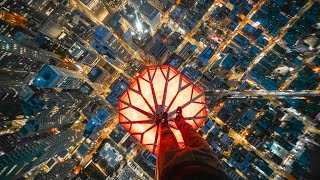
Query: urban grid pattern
[{"x": 73, "y": 71}]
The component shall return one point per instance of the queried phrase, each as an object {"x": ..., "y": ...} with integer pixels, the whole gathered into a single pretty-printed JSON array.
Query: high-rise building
[
  {"x": 51, "y": 29},
  {"x": 83, "y": 55},
  {"x": 60, "y": 171},
  {"x": 140, "y": 34},
  {"x": 11, "y": 77},
  {"x": 45, "y": 123},
  {"x": 141, "y": 39},
  {"x": 115, "y": 5},
  {"x": 13, "y": 19},
  {"x": 187, "y": 51},
  {"x": 158, "y": 53},
  {"x": 118, "y": 88},
  {"x": 54, "y": 103},
  {"x": 34, "y": 128},
  {"x": 99, "y": 75},
  {"x": 80, "y": 24},
  {"x": 106, "y": 44},
  {"x": 45, "y": 7},
  {"x": 23, "y": 158},
  {"x": 151, "y": 15},
  {"x": 99, "y": 119},
  {"x": 11, "y": 61},
  {"x": 11, "y": 83},
  {"x": 99, "y": 8},
  {"x": 91, "y": 171},
  {"x": 55, "y": 77},
  {"x": 108, "y": 158},
  {"x": 90, "y": 3},
  {"x": 135, "y": 66},
  {"x": 10, "y": 103},
  {"x": 47, "y": 111},
  {"x": 11, "y": 46},
  {"x": 162, "y": 5}
]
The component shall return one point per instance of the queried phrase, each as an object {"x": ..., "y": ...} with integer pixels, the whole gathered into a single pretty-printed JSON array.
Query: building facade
[{"x": 55, "y": 77}]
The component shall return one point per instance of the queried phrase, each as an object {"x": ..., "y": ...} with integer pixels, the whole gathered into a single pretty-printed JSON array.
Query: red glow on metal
[{"x": 159, "y": 89}]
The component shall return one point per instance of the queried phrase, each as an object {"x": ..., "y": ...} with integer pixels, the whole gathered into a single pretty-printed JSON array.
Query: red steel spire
[{"x": 159, "y": 89}]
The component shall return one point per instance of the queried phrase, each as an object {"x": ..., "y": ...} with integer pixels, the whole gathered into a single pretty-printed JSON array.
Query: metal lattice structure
[{"x": 156, "y": 90}]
